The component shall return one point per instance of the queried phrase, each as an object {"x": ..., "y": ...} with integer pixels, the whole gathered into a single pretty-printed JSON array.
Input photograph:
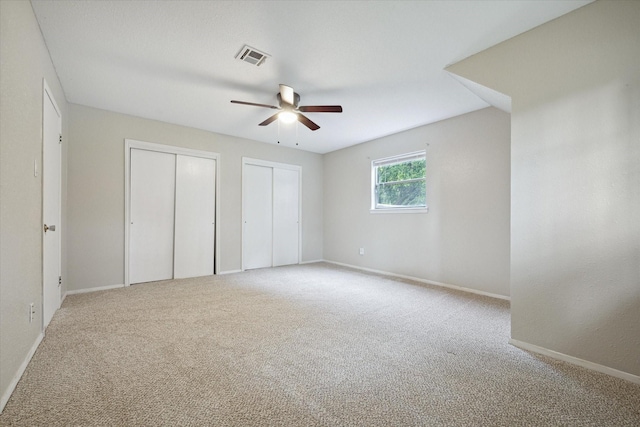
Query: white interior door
[
  {"x": 151, "y": 229},
  {"x": 285, "y": 216},
  {"x": 257, "y": 208},
  {"x": 51, "y": 134},
  {"x": 195, "y": 216}
]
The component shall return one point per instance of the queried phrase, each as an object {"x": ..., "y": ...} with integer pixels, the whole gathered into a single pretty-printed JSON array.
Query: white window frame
[{"x": 388, "y": 161}]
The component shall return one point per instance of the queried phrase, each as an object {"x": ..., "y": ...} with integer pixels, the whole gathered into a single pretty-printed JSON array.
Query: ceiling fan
[{"x": 290, "y": 111}]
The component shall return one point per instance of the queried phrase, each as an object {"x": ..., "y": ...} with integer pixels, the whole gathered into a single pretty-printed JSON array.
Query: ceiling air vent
[{"x": 252, "y": 56}]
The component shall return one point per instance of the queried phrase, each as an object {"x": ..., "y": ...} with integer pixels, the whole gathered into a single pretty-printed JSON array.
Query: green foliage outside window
[{"x": 401, "y": 184}]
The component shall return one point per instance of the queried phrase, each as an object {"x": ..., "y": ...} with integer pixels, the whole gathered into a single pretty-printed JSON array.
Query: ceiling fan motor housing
[{"x": 296, "y": 101}]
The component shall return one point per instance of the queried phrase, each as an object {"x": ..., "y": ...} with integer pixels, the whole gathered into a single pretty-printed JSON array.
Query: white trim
[
  {"x": 269, "y": 164},
  {"x": 576, "y": 361},
  {"x": 399, "y": 158},
  {"x": 23, "y": 367},
  {"x": 45, "y": 87},
  {"x": 312, "y": 261},
  {"x": 170, "y": 149},
  {"x": 230, "y": 272},
  {"x": 428, "y": 282},
  {"x": 419, "y": 210},
  {"x": 162, "y": 148},
  {"x": 99, "y": 288}
]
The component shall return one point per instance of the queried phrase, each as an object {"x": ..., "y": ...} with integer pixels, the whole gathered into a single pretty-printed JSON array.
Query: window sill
[{"x": 400, "y": 211}]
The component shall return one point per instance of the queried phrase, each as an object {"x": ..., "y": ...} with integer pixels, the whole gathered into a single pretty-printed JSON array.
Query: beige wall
[
  {"x": 96, "y": 190},
  {"x": 575, "y": 237},
  {"x": 575, "y": 188},
  {"x": 464, "y": 238},
  {"x": 25, "y": 62}
]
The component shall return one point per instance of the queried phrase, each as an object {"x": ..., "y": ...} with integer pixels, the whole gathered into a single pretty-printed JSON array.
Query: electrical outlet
[
  {"x": 361, "y": 251},
  {"x": 32, "y": 312}
]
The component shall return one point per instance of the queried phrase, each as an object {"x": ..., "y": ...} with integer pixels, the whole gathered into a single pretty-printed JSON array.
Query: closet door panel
[
  {"x": 195, "y": 216},
  {"x": 285, "y": 217},
  {"x": 258, "y": 217},
  {"x": 151, "y": 216}
]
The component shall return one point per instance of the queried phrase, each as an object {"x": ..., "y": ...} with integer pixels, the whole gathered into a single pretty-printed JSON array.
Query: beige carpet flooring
[{"x": 310, "y": 345}]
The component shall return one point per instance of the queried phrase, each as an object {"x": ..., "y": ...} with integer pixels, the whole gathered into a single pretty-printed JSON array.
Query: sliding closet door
[
  {"x": 285, "y": 216},
  {"x": 152, "y": 216},
  {"x": 258, "y": 216},
  {"x": 195, "y": 216},
  {"x": 271, "y": 214}
]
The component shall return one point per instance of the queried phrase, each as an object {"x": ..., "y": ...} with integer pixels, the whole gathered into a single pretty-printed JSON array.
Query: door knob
[{"x": 49, "y": 227}]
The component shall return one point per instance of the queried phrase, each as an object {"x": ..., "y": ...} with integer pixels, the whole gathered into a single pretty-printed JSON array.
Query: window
[{"x": 399, "y": 183}]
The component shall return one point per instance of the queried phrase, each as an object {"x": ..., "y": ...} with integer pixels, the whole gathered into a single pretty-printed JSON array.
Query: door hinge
[
  {"x": 59, "y": 280},
  {"x": 60, "y": 140}
]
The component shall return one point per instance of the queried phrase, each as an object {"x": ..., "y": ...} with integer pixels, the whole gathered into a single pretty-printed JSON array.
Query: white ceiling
[{"x": 382, "y": 61}]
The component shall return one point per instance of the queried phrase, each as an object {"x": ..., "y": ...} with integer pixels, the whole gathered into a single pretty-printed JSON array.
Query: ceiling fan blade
[
  {"x": 269, "y": 120},
  {"x": 254, "y": 104},
  {"x": 308, "y": 123},
  {"x": 320, "y": 109},
  {"x": 286, "y": 92}
]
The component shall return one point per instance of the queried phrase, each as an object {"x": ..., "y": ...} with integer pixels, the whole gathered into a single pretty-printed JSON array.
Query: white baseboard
[
  {"x": 575, "y": 361},
  {"x": 222, "y": 273},
  {"x": 311, "y": 262},
  {"x": 428, "y": 282},
  {"x": 99, "y": 288},
  {"x": 14, "y": 382}
]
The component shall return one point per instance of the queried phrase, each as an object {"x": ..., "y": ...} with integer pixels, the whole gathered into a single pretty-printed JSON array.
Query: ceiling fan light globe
[{"x": 287, "y": 117}]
